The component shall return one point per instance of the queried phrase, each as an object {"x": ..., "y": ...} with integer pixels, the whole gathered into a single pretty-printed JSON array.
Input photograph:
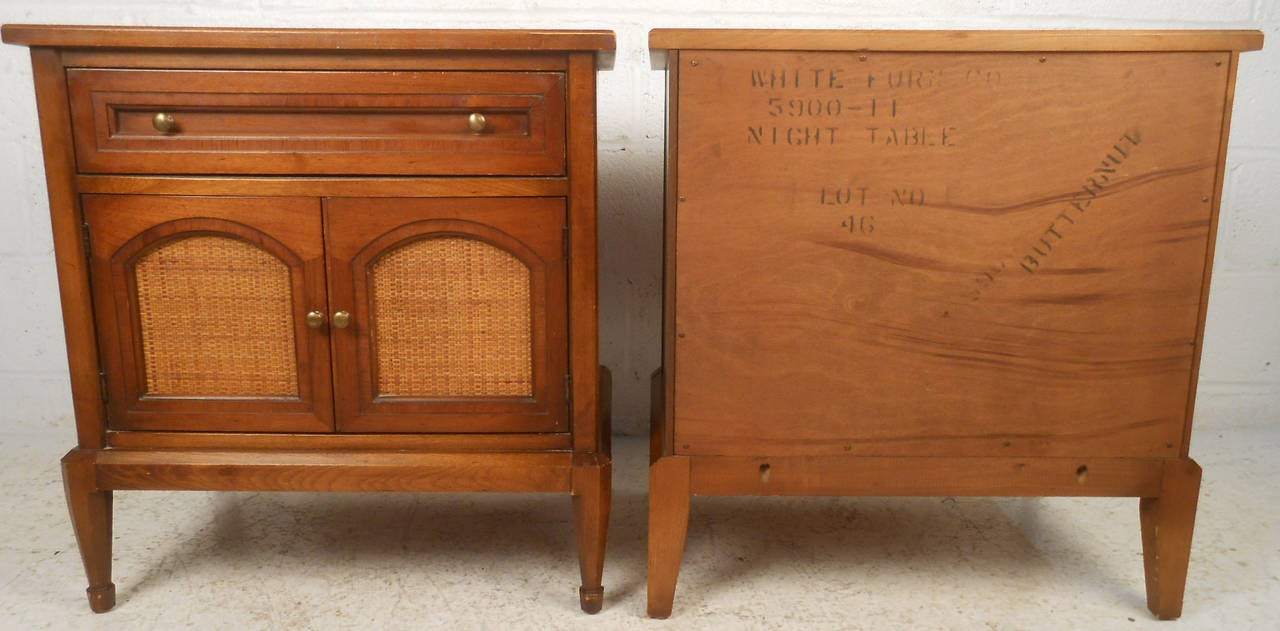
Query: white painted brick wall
[{"x": 1241, "y": 367}]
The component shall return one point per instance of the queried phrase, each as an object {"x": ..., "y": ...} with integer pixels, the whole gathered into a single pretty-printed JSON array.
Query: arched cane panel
[
  {"x": 453, "y": 319},
  {"x": 215, "y": 318},
  {"x": 457, "y": 314}
]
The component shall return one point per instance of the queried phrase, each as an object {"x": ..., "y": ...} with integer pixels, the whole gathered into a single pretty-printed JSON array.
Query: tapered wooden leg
[
  {"x": 592, "y": 495},
  {"x": 668, "y": 526},
  {"x": 90, "y": 509},
  {"x": 1167, "y": 523}
]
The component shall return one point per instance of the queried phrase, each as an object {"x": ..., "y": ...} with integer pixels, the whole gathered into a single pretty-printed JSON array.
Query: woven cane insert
[
  {"x": 217, "y": 320},
  {"x": 452, "y": 318}
]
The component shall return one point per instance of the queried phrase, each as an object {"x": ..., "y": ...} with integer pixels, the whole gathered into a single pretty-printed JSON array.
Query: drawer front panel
[{"x": 280, "y": 122}]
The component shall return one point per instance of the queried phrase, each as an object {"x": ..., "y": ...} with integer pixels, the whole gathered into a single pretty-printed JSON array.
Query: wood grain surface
[{"x": 965, "y": 254}]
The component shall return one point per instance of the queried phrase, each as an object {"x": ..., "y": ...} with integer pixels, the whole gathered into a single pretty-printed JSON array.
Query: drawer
[{"x": 327, "y": 122}]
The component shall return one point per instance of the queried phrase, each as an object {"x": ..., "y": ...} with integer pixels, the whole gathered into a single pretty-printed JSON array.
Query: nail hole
[
  {"x": 1082, "y": 474},
  {"x": 764, "y": 473}
]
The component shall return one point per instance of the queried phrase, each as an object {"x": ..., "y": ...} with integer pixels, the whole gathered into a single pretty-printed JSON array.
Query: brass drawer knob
[
  {"x": 341, "y": 319},
  {"x": 315, "y": 319},
  {"x": 164, "y": 122},
  {"x": 476, "y": 122}
]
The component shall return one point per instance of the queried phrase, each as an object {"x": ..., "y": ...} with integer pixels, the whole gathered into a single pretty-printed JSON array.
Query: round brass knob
[
  {"x": 315, "y": 319},
  {"x": 341, "y": 320},
  {"x": 164, "y": 122},
  {"x": 476, "y": 122}
]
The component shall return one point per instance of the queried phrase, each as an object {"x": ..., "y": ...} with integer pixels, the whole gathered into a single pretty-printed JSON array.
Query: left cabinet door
[{"x": 202, "y": 308}]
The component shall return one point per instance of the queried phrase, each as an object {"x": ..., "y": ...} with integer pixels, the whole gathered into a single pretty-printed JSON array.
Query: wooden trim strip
[
  {"x": 306, "y": 39},
  {"x": 326, "y": 186},
  {"x": 123, "y": 469},
  {"x": 460, "y": 443},
  {"x": 893, "y": 476},
  {"x": 954, "y": 41}
]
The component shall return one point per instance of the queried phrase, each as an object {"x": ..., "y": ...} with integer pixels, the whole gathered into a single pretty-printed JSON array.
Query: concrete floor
[{"x": 186, "y": 560}]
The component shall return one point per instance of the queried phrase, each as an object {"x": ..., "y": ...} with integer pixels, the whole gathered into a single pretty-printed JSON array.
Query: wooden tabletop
[
  {"x": 942, "y": 41},
  {"x": 306, "y": 39}
]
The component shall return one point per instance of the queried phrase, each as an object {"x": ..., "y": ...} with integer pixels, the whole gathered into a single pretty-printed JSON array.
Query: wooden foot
[
  {"x": 1167, "y": 523},
  {"x": 668, "y": 526},
  {"x": 592, "y": 496},
  {"x": 90, "y": 509}
]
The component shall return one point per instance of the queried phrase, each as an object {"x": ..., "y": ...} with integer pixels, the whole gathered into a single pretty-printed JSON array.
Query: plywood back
[{"x": 941, "y": 253}]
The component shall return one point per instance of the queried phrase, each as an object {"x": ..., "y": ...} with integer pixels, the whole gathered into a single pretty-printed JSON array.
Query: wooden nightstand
[
  {"x": 938, "y": 263},
  {"x": 326, "y": 260}
]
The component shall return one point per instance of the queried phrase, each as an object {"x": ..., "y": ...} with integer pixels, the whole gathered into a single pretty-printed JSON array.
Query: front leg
[
  {"x": 90, "y": 509},
  {"x": 592, "y": 495}
]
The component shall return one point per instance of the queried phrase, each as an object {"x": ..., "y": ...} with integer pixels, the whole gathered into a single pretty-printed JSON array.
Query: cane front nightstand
[{"x": 326, "y": 260}]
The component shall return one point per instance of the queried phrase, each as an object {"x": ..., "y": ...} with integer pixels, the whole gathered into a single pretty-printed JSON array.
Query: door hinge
[
  {"x": 102, "y": 386},
  {"x": 564, "y": 242},
  {"x": 568, "y": 387},
  {"x": 88, "y": 240}
]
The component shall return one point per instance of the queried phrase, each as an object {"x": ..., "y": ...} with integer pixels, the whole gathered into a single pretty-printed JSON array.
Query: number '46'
[{"x": 859, "y": 224}]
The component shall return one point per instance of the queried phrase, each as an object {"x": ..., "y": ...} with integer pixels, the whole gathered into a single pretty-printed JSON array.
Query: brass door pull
[
  {"x": 477, "y": 122},
  {"x": 164, "y": 122},
  {"x": 341, "y": 319},
  {"x": 315, "y": 319}
]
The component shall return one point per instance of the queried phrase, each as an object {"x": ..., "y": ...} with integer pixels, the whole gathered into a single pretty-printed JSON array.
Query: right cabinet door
[{"x": 448, "y": 314}]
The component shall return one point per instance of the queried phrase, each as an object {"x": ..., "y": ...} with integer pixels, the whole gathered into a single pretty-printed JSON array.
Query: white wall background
[{"x": 1240, "y": 376}]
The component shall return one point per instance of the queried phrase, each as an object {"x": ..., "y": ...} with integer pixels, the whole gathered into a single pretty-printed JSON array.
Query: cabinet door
[
  {"x": 457, "y": 314},
  {"x": 201, "y": 305}
]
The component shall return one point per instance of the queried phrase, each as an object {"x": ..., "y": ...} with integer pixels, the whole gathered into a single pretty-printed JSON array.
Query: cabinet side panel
[
  {"x": 69, "y": 248},
  {"x": 942, "y": 253},
  {"x": 584, "y": 313}
]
